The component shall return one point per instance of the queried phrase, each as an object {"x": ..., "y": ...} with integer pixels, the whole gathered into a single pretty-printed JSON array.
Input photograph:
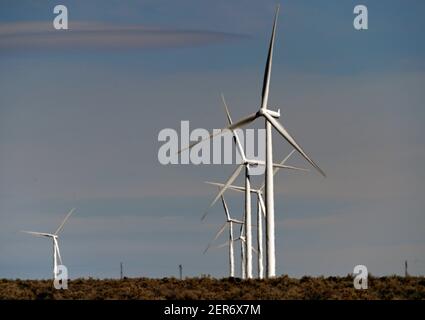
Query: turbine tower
[{"x": 54, "y": 237}]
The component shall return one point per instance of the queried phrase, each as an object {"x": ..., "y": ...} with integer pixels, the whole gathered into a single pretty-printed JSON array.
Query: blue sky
[{"x": 79, "y": 128}]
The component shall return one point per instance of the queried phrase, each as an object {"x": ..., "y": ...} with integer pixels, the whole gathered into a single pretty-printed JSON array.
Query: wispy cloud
[{"x": 90, "y": 35}]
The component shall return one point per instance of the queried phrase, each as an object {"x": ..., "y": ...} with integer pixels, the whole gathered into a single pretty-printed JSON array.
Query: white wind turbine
[
  {"x": 229, "y": 223},
  {"x": 261, "y": 210},
  {"x": 244, "y": 163},
  {"x": 270, "y": 122},
  {"x": 242, "y": 240},
  {"x": 54, "y": 237}
]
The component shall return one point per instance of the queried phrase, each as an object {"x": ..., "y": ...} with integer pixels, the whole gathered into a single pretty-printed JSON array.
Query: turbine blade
[
  {"x": 39, "y": 234},
  {"x": 287, "y": 157},
  {"x": 284, "y": 166},
  {"x": 291, "y": 140},
  {"x": 239, "y": 124},
  {"x": 235, "y": 135},
  {"x": 220, "y": 231},
  {"x": 232, "y": 187},
  {"x": 226, "y": 209},
  {"x": 276, "y": 169},
  {"x": 212, "y": 135},
  {"x": 64, "y": 220},
  {"x": 236, "y": 221},
  {"x": 241, "y": 230},
  {"x": 227, "y": 184},
  {"x": 229, "y": 118},
  {"x": 268, "y": 69},
  {"x": 243, "y": 122},
  {"x": 57, "y": 250},
  {"x": 262, "y": 204},
  {"x": 207, "y": 248},
  {"x": 222, "y": 245}
]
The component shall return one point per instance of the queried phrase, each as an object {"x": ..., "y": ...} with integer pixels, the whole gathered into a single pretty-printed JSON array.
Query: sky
[{"x": 81, "y": 110}]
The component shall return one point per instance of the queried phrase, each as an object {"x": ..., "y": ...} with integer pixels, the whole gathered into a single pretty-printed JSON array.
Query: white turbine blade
[
  {"x": 232, "y": 187},
  {"x": 64, "y": 220},
  {"x": 207, "y": 248},
  {"x": 222, "y": 245},
  {"x": 284, "y": 166},
  {"x": 291, "y": 140},
  {"x": 237, "y": 188},
  {"x": 227, "y": 184},
  {"x": 39, "y": 234},
  {"x": 235, "y": 135},
  {"x": 212, "y": 135},
  {"x": 243, "y": 122},
  {"x": 288, "y": 156},
  {"x": 229, "y": 118},
  {"x": 268, "y": 69},
  {"x": 58, "y": 251},
  {"x": 239, "y": 145},
  {"x": 236, "y": 221},
  {"x": 276, "y": 169},
  {"x": 219, "y": 246},
  {"x": 226, "y": 209},
  {"x": 242, "y": 232},
  {"x": 262, "y": 204},
  {"x": 240, "y": 123},
  {"x": 276, "y": 165},
  {"x": 220, "y": 231}
]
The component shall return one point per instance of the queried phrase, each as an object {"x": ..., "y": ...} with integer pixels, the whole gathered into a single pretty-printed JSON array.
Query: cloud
[{"x": 89, "y": 35}]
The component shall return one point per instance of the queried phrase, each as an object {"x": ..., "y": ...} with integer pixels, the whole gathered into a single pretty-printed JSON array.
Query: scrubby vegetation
[{"x": 387, "y": 288}]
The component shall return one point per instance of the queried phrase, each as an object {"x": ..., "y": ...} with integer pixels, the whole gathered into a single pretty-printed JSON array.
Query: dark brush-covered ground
[{"x": 387, "y": 288}]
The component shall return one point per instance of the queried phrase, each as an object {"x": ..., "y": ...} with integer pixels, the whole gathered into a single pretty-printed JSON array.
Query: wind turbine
[
  {"x": 270, "y": 121},
  {"x": 54, "y": 237},
  {"x": 229, "y": 222},
  {"x": 244, "y": 163},
  {"x": 261, "y": 210}
]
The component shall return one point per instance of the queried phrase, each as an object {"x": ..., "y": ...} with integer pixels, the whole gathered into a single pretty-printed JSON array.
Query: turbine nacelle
[{"x": 274, "y": 114}]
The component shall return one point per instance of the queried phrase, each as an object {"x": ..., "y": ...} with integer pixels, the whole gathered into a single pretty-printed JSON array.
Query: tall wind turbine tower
[{"x": 270, "y": 121}]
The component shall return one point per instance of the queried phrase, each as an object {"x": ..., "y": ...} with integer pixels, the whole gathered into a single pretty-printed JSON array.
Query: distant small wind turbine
[
  {"x": 229, "y": 222},
  {"x": 242, "y": 240},
  {"x": 54, "y": 237}
]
